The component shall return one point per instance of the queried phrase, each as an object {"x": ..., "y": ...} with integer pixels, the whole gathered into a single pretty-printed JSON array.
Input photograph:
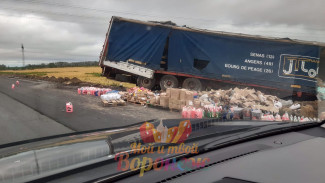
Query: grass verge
[{"x": 85, "y": 74}]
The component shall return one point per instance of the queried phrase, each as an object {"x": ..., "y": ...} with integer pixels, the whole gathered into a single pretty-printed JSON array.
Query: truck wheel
[
  {"x": 146, "y": 82},
  {"x": 168, "y": 81},
  {"x": 192, "y": 84}
]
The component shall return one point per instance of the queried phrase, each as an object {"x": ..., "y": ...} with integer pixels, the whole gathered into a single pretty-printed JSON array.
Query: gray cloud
[{"x": 75, "y": 30}]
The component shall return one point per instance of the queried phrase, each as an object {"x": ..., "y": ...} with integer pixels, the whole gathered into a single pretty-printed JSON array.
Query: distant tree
[
  {"x": 52, "y": 65},
  {"x": 3, "y": 67},
  {"x": 59, "y": 64},
  {"x": 29, "y": 66}
]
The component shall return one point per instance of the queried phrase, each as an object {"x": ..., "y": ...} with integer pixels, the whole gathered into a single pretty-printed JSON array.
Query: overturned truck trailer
[{"x": 174, "y": 56}]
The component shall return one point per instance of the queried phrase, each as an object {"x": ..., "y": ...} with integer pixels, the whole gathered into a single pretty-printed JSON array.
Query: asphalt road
[
  {"x": 42, "y": 104},
  {"x": 19, "y": 122}
]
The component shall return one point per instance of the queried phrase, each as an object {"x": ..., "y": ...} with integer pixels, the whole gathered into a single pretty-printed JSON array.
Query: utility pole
[{"x": 22, "y": 50}]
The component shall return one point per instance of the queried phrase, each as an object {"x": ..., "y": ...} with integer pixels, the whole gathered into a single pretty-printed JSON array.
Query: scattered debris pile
[
  {"x": 243, "y": 98},
  {"x": 138, "y": 95},
  {"x": 245, "y": 104},
  {"x": 112, "y": 98},
  {"x": 65, "y": 80},
  {"x": 250, "y": 104}
]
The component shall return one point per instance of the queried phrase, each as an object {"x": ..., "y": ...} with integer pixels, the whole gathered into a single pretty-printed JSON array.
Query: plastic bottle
[
  {"x": 184, "y": 112},
  {"x": 224, "y": 114},
  {"x": 188, "y": 114},
  {"x": 256, "y": 114},
  {"x": 193, "y": 113},
  {"x": 230, "y": 114},
  {"x": 295, "y": 119},
  {"x": 110, "y": 96},
  {"x": 238, "y": 113},
  {"x": 84, "y": 91},
  {"x": 198, "y": 113},
  {"x": 69, "y": 107}
]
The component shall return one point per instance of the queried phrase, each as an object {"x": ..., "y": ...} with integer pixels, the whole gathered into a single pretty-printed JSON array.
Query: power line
[
  {"x": 60, "y": 20},
  {"x": 54, "y": 13},
  {"x": 124, "y": 12},
  {"x": 76, "y": 55},
  {"x": 292, "y": 33},
  {"x": 131, "y": 13},
  {"x": 106, "y": 11},
  {"x": 51, "y": 59},
  {"x": 98, "y": 19}
]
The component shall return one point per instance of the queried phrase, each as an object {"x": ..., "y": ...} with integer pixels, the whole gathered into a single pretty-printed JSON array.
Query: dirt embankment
[{"x": 68, "y": 81}]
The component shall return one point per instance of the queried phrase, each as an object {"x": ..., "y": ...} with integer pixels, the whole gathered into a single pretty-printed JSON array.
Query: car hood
[{"x": 34, "y": 158}]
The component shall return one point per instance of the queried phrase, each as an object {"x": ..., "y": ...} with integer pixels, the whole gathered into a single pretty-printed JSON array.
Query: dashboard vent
[{"x": 200, "y": 168}]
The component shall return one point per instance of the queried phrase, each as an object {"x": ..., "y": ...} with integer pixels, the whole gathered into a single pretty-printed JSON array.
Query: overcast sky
[{"x": 65, "y": 30}]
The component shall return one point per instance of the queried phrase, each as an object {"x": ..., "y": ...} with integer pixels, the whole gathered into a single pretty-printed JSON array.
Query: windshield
[{"x": 117, "y": 77}]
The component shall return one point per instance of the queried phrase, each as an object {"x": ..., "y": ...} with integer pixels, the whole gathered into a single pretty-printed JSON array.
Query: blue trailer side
[
  {"x": 281, "y": 64},
  {"x": 261, "y": 62}
]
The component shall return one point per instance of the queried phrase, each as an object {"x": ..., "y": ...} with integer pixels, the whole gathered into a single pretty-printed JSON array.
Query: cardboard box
[
  {"x": 182, "y": 95},
  {"x": 174, "y": 93},
  {"x": 174, "y": 101},
  {"x": 157, "y": 100},
  {"x": 132, "y": 98},
  {"x": 189, "y": 102},
  {"x": 170, "y": 105},
  {"x": 168, "y": 92},
  {"x": 153, "y": 101},
  {"x": 189, "y": 95},
  {"x": 174, "y": 106},
  {"x": 164, "y": 101},
  {"x": 183, "y": 102},
  {"x": 252, "y": 96}
]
